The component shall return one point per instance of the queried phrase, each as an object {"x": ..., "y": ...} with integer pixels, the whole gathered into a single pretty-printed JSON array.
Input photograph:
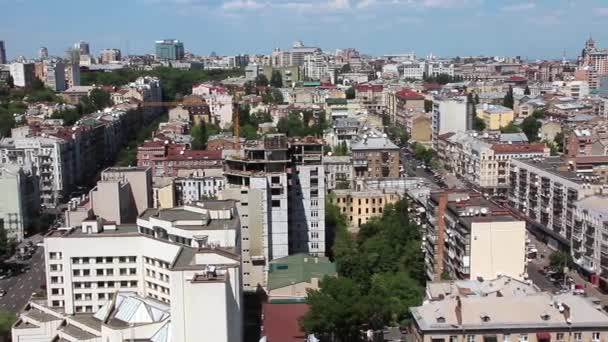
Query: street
[{"x": 19, "y": 288}]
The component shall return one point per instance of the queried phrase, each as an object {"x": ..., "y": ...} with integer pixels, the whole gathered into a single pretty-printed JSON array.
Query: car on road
[{"x": 2, "y": 292}]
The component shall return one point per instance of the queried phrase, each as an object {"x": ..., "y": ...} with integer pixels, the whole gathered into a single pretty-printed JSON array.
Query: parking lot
[{"x": 27, "y": 278}]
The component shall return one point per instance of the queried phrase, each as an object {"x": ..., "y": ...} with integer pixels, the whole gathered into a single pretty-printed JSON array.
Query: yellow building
[
  {"x": 495, "y": 116},
  {"x": 360, "y": 206}
]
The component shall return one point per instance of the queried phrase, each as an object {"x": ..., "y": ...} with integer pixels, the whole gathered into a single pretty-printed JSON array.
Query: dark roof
[{"x": 281, "y": 322}]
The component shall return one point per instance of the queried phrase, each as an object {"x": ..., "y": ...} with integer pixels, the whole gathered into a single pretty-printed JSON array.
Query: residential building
[
  {"x": 252, "y": 71},
  {"x": 402, "y": 105},
  {"x": 82, "y": 47},
  {"x": 338, "y": 172},
  {"x": 450, "y": 114},
  {"x": 413, "y": 70},
  {"x": 299, "y": 52},
  {"x": 290, "y": 75},
  {"x": 43, "y": 53},
  {"x": 361, "y": 206},
  {"x": 107, "y": 56},
  {"x": 421, "y": 130},
  {"x": 463, "y": 229},
  {"x": 495, "y": 116},
  {"x": 375, "y": 157},
  {"x": 343, "y": 130},
  {"x": 72, "y": 75},
  {"x": 167, "y": 159},
  {"x": 169, "y": 49},
  {"x": 198, "y": 187},
  {"x": 20, "y": 202},
  {"x": 54, "y": 75},
  {"x": 137, "y": 184},
  {"x": 590, "y": 220},
  {"x": 537, "y": 317},
  {"x": 73, "y": 94},
  {"x": 483, "y": 160},
  {"x": 175, "y": 276},
  {"x": 545, "y": 190},
  {"x": 22, "y": 74},
  {"x": 371, "y": 96}
]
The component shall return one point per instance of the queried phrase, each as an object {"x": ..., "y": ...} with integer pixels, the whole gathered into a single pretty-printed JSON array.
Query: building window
[
  {"x": 506, "y": 337},
  {"x": 578, "y": 336},
  {"x": 523, "y": 338},
  {"x": 470, "y": 338},
  {"x": 453, "y": 339},
  {"x": 276, "y": 203},
  {"x": 595, "y": 336}
]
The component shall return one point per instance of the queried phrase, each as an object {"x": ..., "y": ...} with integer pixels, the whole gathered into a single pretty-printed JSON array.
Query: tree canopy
[
  {"x": 510, "y": 128},
  {"x": 530, "y": 126},
  {"x": 380, "y": 276},
  {"x": 277, "y": 79},
  {"x": 302, "y": 124},
  {"x": 508, "y": 100},
  {"x": 261, "y": 80}
]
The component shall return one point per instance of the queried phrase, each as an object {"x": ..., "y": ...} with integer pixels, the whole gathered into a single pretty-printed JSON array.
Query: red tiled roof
[
  {"x": 518, "y": 148},
  {"x": 281, "y": 322},
  {"x": 409, "y": 94},
  {"x": 432, "y": 86}
]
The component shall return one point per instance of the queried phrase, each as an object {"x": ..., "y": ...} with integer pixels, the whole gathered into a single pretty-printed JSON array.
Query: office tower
[
  {"x": 22, "y": 73},
  {"x": 82, "y": 47},
  {"x": 110, "y": 55},
  {"x": 2, "y": 52},
  {"x": 169, "y": 49},
  {"x": 54, "y": 75},
  {"x": 43, "y": 53}
]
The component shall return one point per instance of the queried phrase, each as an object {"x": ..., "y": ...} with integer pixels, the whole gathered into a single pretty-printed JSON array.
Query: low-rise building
[
  {"x": 73, "y": 94},
  {"x": 495, "y": 116},
  {"x": 361, "y": 206},
  {"x": 338, "y": 172},
  {"x": 167, "y": 159}
]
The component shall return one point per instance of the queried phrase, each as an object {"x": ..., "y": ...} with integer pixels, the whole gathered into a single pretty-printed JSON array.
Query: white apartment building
[
  {"x": 545, "y": 190},
  {"x": 450, "y": 114},
  {"x": 317, "y": 66},
  {"x": 574, "y": 89},
  {"x": 50, "y": 159},
  {"x": 195, "y": 188},
  {"x": 307, "y": 210},
  {"x": 54, "y": 75},
  {"x": 22, "y": 74},
  {"x": 438, "y": 68},
  {"x": 220, "y": 107},
  {"x": 20, "y": 201},
  {"x": 178, "y": 271},
  {"x": 469, "y": 237},
  {"x": 146, "y": 89},
  {"x": 414, "y": 70}
]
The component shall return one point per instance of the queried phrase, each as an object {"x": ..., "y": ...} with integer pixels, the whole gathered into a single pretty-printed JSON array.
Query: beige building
[
  {"x": 469, "y": 237},
  {"x": 375, "y": 157},
  {"x": 495, "y": 116},
  {"x": 421, "y": 129},
  {"x": 361, "y": 206},
  {"x": 537, "y": 317}
]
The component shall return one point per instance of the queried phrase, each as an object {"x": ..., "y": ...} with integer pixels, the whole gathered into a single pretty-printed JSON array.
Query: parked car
[{"x": 2, "y": 292}]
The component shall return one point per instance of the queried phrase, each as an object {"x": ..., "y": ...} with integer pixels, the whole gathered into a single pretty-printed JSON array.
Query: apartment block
[
  {"x": 469, "y": 237},
  {"x": 402, "y": 104},
  {"x": 20, "y": 201},
  {"x": 54, "y": 75},
  {"x": 450, "y": 115},
  {"x": 22, "y": 74},
  {"x": 174, "y": 276},
  {"x": 545, "y": 190},
  {"x": 375, "y": 157},
  {"x": 483, "y": 160},
  {"x": 588, "y": 247},
  {"x": 361, "y": 206},
  {"x": 495, "y": 116},
  {"x": 338, "y": 172},
  {"x": 168, "y": 159}
]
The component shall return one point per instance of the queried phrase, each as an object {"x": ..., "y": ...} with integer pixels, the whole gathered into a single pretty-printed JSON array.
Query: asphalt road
[
  {"x": 19, "y": 288},
  {"x": 538, "y": 279}
]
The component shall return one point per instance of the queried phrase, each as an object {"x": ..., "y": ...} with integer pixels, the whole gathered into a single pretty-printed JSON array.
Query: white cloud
[
  {"x": 366, "y": 3},
  {"x": 525, "y": 6},
  {"x": 242, "y": 5},
  {"x": 601, "y": 11},
  {"x": 448, "y": 3}
]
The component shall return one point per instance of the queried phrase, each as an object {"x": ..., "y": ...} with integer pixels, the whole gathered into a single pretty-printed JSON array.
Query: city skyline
[{"x": 547, "y": 29}]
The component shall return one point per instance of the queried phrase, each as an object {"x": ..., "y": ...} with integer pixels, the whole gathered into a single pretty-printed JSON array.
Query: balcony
[{"x": 359, "y": 162}]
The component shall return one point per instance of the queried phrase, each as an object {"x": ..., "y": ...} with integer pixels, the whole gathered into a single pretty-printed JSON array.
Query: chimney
[{"x": 458, "y": 310}]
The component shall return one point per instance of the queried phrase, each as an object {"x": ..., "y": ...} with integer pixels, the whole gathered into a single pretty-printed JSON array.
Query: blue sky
[{"x": 534, "y": 29}]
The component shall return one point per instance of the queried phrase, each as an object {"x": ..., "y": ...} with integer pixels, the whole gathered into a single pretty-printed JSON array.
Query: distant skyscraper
[
  {"x": 43, "y": 53},
  {"x": 2, "y": 52},
  {"x": 169, "y": 49},
  {"x": 22, "y": 73},
  {"x": 82, "y": 47}
]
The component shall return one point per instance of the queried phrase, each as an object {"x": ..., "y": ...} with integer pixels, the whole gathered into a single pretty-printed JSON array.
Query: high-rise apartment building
[
  {"x": 54, "y": 75},
  {"x": 173, "y": 276},
  {"x": 280, "y": 188},
  {"x": 22, "y": 74},
  {"x": 109, "y": 55},
  {"x": 169, "y": 49},
  {"x": 2, "y": 52},
  {"x": 72, "y": 75},
  {"x": 450, "y": 114}
]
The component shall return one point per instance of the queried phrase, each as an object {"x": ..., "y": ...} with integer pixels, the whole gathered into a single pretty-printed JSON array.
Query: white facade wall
[
  {"x": 307, "y": 211},
  {"x": 22, "y": 74},
  {"x": 449, "y": 115},
  {"x": 220, "y": 107},
  {"x": 197, "y": 188}
]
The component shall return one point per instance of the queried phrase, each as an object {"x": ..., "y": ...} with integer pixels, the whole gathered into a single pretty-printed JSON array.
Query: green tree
[
  {"x": 530, "y": 126},
  {"x": 10, "y": 82},
  {"x": 527, "y": 91},
  {"x": 476, "y": 99},
  {"x": 248, "y": 131},
  {"x": 274, "y": 96},
  {"x": 559, "y": 259},
  {"x": 538, "y": 113},
  {"x": 5, "y": 244},
  {"x": 510, "y": 128},
  {"x": 345, "y": 68},
  {"x": 428, "y": 106},
  {"x": 100, "y": 99},
  {"x": 276, "y": 80},
  {"x": 350, "y": 93},
  {"x": 508, "y": 99},
  {"x": 261, "y": 80},
  {"x": 7, "y": 319},
  {"x": 559, "y": 141},
  {"x": 198, "y": 133},
  {"x": 68, "y": 115}
]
